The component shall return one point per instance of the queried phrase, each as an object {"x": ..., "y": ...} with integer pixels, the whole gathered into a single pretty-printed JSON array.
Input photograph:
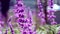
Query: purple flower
[
  {"x": 50, "y": 3},
  {"x": 30, "y": 32},
  {"x": 21, "y": 10},
  {"x": 53, "y": 23},
  {"x": 21, "y": 16},
  {"x": 20, "y": 5},
  {"x": 22, "y": 21},
  {"x": 24, "y": 33}
]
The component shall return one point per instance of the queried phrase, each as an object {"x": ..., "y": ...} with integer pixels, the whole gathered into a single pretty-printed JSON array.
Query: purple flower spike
[
  {"x": 51, "y": 15},
  {"x": 22, "y": 17},
  {"x": 41, "y": 14}
]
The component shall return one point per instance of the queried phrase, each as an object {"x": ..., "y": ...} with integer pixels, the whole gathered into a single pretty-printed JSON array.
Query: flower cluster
[
  {"x": 24, "y": 22},
  {"x": 51, "y": 12}
]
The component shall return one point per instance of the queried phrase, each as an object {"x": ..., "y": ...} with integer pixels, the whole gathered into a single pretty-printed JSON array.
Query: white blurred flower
[{"x": 55, "y": 7}]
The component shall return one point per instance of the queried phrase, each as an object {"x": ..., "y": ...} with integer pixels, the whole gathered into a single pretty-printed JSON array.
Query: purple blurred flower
[
  {"x": 51, "y": 15},
  {"x": 22, "y": 20},
  {"x": 41, "y": 12}
]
